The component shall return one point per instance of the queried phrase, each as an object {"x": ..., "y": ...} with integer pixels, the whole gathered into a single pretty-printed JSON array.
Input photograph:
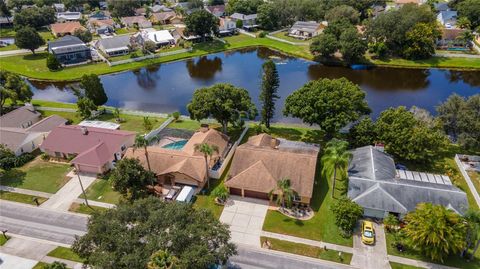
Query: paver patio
[{"x": 245, "y": 217}]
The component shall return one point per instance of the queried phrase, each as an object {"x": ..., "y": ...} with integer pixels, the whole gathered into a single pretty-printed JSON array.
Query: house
[
  {"x": 102, "y": 27},
  {"x": 136, "y": 21},
  {"x": 24, "y": 129},
  {"x": 227, "y": 26},
  {"x": 447, "y": 18},
  {"x": 375, "y": 184},
  {"x": 100, "y": 15},
  {"x": 6, "y": 21},
  {"x": 69, "y": 16},
  {"x": 307, "y": 29},
  {"x": 163, "y": 17},
  {"x": 217, "y": 11},
  {"x": 140, "y": 11},
  {"x": 59, "y": 7},
  {"x": 183, "y": 165},
  {"x": 443, "y": 6},
  {"x": 114, "y": 46},
  {"x": 160, "y": 8},
  {"x": 400, "y": 3},
  {"x": 248, "y": 21},
  {"x": 66, "y": 28},
  {"x": 450, "y": 38},
  {"x": 261, "y": 162},
  {"x": 93, "y": 150},
  {"x": 69, "y": 50},
  {"x": 159, "y": 37}
]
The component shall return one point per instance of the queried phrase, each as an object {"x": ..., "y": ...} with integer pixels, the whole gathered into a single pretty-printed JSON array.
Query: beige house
[
  {"x": 264, "y": 160},
  {"x": 185, "y": 165}
]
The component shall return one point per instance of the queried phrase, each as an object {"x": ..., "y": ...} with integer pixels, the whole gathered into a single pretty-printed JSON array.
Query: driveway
[
  {"x": 12, "y": 262},
  {"x": 245, "y": 217},
  {"x": 375, "y": 256}
]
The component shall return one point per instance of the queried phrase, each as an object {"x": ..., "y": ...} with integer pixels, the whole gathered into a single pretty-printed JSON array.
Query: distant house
[
  {"x": 69, "y": 16},
  {"x": 6, "y": 21},
  {"x": 183, "y": 165},
  {"x": 23, "y": 129},
  {"x": 66, "y": 28},
  {"x": 69, "y": 50},
  {"x": 136, "y": 21},
  {"x": 306, "y": 29},
  {"x": 261, "y": 162},
  {"x": 160, "y": 8},
  {"x": 59, "y": 7},
  {"x": 447, "y": 18},
  {"x": 375, "y": 184},
  {"x": 114, "y": 46},
  {"x": 94, "y": 150},
  {"x": 400, "y": 3},
  {"x": 101, "y": 27},
  {"x": 163, "y": 17},
  {"x": 159, "y": 37},
  {"x": 450, "y": 38},
  {"x": 443, "y": 6},
  {"x": 227, "y": 26},
  {"x": 100, "y": 15},
  {"x": 217, "y": 11},
  {"x": 248, "y": 21}
]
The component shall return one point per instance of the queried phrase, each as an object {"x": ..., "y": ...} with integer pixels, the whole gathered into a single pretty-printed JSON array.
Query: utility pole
[{"x": 83, "y": 190}]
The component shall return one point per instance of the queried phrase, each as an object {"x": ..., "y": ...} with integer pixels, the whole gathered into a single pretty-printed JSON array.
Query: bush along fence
[
  {"x": 150, "y": 56},
  {"x": 216, "y": 174},
  {"x": 462, "y": 169}
]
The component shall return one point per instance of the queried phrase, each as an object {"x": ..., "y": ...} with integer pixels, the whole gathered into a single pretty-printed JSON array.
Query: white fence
[
  {"x": 218, "y": 173},
  {"x": 155, "y": 132},
  {"x": 467, "y": 179},
  {"x": 286, "y": 41},
  {"x": 151, "y": 56}
]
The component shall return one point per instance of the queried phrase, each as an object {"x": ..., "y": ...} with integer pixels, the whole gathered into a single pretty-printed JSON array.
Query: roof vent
[
  {"x": 274, "y": 143},
  {"x": 84, "y": 130},
  {"x": 204, "y": 128}
]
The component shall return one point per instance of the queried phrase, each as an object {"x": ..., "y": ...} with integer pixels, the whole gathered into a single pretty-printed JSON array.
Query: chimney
[
  {"x": 30, "y": 107},
  {"x": 84, "y": 130},
  {"x": 204, "y": 128},
  {"x": 273, "y": 143}
]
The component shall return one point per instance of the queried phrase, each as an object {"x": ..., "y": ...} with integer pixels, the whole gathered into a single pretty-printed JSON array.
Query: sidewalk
[
  {"x": 7, "y": 53},
  {"x": 417, "y": 263},
  {"x": 25, "y": 191},
  {"x": 94, "y": 203},
  {"x": 63, "y": 198},
  {"x": 310, "y": 242}
]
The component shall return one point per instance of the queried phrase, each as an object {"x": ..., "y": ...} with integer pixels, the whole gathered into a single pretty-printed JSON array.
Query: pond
[{"x": 169, "y": 87}]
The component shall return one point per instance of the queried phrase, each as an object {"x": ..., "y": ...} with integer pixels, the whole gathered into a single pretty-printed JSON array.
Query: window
[{"x": 58, "y": 154}]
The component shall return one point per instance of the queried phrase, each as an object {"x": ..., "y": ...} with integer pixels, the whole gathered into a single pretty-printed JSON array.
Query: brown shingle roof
[
  {"x": 209, "y": 136},
  {"x": 257, "y": 165},
  {"x": 163, "y": 16},
  {"x": 21, "y": 117},
  {"x": 66, "y": 27}
]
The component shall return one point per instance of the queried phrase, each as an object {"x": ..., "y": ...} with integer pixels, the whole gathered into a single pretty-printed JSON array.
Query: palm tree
[
  {"x": 463, "y": 22},
  {"x": 142, "y": 142},
  {"x": 472, "y": 218},
  {"x": 336, "y": 157},
  {"x": 285, "y": 193},
  {"x": 207, "y": 151},
  {"x": 162, "y": 260}
]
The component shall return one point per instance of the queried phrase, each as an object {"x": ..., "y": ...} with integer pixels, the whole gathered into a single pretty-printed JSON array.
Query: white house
[{"x": 159, "y": 37}]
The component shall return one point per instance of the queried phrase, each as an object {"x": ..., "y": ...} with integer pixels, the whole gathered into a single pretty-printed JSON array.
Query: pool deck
[{"x": 168, "y": 140}]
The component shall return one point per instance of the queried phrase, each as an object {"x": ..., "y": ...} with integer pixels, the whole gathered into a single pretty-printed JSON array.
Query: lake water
[{"x": 169, "y": 87}]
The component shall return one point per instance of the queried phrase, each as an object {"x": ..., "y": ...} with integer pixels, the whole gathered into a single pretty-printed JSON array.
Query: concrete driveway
[
  {"x": 374, "y": 256},
  {"x": 12, "y": 262},
  {"x": 245, "y": 217}
]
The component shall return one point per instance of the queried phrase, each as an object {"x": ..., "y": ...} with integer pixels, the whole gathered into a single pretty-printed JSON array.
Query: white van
[{"x": 185, "y": 194}]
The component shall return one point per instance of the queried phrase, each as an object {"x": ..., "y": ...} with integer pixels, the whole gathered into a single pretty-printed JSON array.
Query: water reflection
[
  {"x": 204, "y": 68},
  {"x": 147, "y": 77},
  {"x": 470, "y": 77}
]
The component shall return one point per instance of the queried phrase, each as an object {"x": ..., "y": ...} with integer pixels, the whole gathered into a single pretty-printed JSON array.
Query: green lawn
[
  {"x": 10, "y": 32},
  {"x": 71, "y": 116},
  {"x": 84, "y": 209},
  {"x": 3, "y": 240},
  {"x": 453, "y": 260},
  {"x": 307, "y": 250},
  {"x": 126, "y": 56},
  {"x": 206, "y": 200},
  {"x": 395, "y": 265},
  {"x": 65, "y": 253},
  {"x": 102, "y": 191},
  {"x": 40, "y": 265},
  {"x": 20, "y": 198},
  {"x": 123, "y": 31},
  {"x": 439, "y": 62},
  {"x": 475, "y": 177},
  {"x": 37, "y": 175},
  {"x": 284, "y": 35}
]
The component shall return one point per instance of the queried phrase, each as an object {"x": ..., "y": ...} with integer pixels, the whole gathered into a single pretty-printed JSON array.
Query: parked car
[
  {"x": 368, "y": 233},
  {"x": 400, "y": 166}
]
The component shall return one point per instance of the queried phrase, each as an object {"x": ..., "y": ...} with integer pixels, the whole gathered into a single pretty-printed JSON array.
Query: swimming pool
[{"x": 178, "y": 145}]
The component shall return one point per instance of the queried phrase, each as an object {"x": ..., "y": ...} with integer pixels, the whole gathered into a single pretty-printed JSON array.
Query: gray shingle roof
[
  {"x": 373, "y": 183},
  {"x": 115, "y": 42},
  {"x": 306, "y": 26},
  {"x": 67, "y": 44}
]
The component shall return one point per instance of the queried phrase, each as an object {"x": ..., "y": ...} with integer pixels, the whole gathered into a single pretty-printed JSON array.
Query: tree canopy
[
  {"x": 420, "y": 41},
  {"x": 324, "y": 44},
  {"x": 268, "y": 94},
  {"x": 330, "y": 104},
  {"x": 267, "y": 16},
  {"x": 201, "y": 23},
  {"x": 94, "y": 89},
  {"x": 223, "y": 102},
  {"x": 243, "y": 6},
  {"x": 13, "y": 88},
  {"x": 347, "y": 213},
  {"x": 471, "y": 10},
  {"x": 130, "y": 179},
  {"x": 28, "y": 38},
  {"x": 34, "y": 17},
  {"x": 124, "y": 8},
  {"x": 435, "y": 231},
  {"x": 83, "y": 35},
  {"x": 343, "y": 12},
  {"x": 128, "y": 235},
  {"x": 85, "y": 106}
]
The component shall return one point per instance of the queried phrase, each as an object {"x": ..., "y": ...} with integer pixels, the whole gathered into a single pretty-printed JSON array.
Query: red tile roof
[
  {"x": 95, "y": 148},
  {"x": 66, "y": 27}
]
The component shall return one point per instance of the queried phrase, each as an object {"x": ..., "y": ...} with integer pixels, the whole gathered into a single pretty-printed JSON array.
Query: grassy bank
[
  {"x": 434, "y": 62},
  {"x": 20, "y": 198},
  {"x": 307, "y": 250},
  {"x": 65, "y": 253},
  {"x": 84, "y": 209}
]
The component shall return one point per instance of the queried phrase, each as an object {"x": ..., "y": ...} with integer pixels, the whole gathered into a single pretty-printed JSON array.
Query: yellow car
[{"x": 368, "y": 233}]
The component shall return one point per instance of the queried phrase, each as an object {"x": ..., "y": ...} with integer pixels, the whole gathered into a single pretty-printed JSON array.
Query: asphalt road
[{"x": 62, "y": 227}]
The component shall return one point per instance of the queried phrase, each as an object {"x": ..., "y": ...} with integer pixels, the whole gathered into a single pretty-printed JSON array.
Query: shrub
[
  {"x": 221, "y": 193},
  {"x": 347, "y": 214},
  {"x": 150, "y": 46},
  {"x": 45, "y": 157},
  {"x": 262, "y": 34},
  {"x": 176, "y": 115},
  {"x": 53, "y": 63},
  {"x": 134, "y": 55},
  {"x": 391, "y": 222}
]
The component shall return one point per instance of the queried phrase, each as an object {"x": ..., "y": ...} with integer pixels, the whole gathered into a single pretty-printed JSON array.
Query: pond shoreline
[{"x": 244, "y": 43}]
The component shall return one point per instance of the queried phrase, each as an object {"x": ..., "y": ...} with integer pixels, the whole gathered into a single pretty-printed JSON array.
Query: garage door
[
  {"x": 234, "y": 191},
  {"x": 254, "y": 194},
  {"x": 374, "y": 213}
]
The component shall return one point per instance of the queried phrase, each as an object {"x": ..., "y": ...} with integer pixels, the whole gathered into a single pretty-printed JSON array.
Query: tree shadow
[
  {"x": 287, "y": 133},
  {"x": 320, "y": 187},
  {"x": 314, "y": 136},
  {"x": 36, "y": 56},
  {"x": 12, "y": 178}
]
